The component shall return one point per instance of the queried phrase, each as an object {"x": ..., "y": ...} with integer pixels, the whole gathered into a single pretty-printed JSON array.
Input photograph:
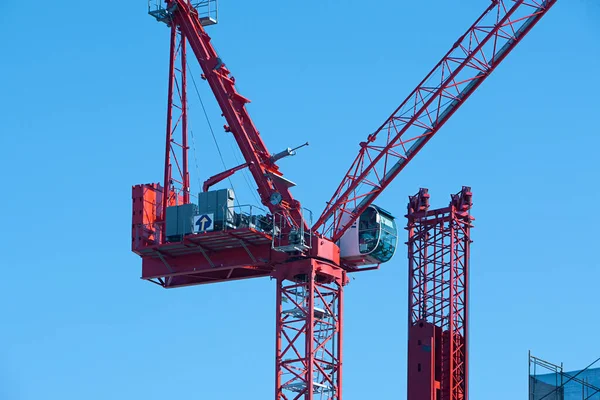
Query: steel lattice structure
[
  {"x": 176, "y": 177},
  {"x": 309, "y": 334},
  {"x": 438, "y": 259},
  {"x": 308, "y": 259},
  {"x": 387, "y": 151}
]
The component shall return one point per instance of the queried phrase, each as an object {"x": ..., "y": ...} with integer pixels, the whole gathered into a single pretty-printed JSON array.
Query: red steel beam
[
  {"x": 472, "y": 58},
  {"x": 161, "y": 263},
  {"x": 233, "y": 105}
]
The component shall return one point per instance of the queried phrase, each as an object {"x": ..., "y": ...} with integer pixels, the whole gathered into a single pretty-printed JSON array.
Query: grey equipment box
[
  {"x": 180, "y": 221},
  {"x": 220, "y": 204}
]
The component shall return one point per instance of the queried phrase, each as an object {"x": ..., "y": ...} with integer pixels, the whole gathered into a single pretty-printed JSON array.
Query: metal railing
[
  {"x": 245, "y": 216},
  {"x": 288, "y": 238},
  {"x": 235, "y": 217},
  {"x": 208, "y": 11}
]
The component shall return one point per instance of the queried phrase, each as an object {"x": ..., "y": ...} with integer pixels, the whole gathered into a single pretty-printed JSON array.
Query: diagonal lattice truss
[
  {"x": 176, "y": 178},
  {"x": 268, "y": 178},
  {"x": 439, "y": 243},
  {"x": 458, "y": 74},
  {"x": 308, "y": 343}
]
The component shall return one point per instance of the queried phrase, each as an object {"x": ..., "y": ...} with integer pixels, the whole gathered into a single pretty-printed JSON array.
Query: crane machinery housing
[{"x": 183, "y": 242}]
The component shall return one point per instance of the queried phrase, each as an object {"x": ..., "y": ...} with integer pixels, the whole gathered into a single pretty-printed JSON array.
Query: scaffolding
[{"x": 548, "y": 381}]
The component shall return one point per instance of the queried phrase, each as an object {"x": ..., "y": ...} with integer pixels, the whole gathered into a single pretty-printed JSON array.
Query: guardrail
[
  {"x": 208, "y": 11},
  {"x": 288, "y": 238},
  {"x": 235, "y": 217}
]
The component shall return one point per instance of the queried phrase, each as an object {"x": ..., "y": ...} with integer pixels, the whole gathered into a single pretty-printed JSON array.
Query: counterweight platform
[{"x": 208, "y": 257}]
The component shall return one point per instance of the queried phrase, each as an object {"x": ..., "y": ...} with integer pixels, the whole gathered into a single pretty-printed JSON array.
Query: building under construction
[{"x": 548, "y": 381}]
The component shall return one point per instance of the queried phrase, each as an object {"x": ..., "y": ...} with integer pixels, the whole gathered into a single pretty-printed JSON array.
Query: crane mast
[
  {"x": 182, "y": 246},
  {"x": 176, "y": 180},
  {"x": 439, "y": 243}
]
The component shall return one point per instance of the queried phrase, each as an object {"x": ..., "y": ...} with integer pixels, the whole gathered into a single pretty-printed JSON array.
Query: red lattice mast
[
  {"x": 176, "y": 182},
  {"x": 309, "y": 331},
  {"x": 438, "y": 256}
]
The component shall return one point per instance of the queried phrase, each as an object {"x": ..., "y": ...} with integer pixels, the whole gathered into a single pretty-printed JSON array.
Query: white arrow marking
[{"x": 203, "y": 222}]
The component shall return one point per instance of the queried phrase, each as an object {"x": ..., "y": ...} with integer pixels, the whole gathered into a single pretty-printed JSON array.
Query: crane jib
[
  {"x": 184, "y": 243},
  {"x": 429, "y": 107}
]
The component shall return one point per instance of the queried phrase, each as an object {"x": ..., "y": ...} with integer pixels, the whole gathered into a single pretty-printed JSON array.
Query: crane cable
[
  {"x": 195, "y": 158},
  {"x": 245, "y": 176},
  {"x": 244, "y": 172},
  {"x": 212, "y": 132}
]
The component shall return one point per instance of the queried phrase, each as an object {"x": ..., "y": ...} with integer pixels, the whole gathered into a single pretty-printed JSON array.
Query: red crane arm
[
  {"x": 233, "y": 105},
  {"x": 460, "y": 72}
]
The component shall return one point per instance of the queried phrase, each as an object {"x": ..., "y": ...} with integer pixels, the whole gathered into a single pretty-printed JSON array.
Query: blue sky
[{"x": 82, "y": 100}]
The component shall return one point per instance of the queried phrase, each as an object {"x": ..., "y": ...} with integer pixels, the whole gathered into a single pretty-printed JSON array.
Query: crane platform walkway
[
  {"x": 209, "y": 242},
  {"x": 208, "y": 257}
]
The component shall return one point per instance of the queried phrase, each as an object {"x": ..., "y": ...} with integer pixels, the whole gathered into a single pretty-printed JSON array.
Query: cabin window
[
  {"x": 388, "y": 239},
  {"x": 368, "y": 231}
]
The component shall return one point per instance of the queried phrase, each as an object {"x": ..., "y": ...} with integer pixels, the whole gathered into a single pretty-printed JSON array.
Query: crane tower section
[
  {"x": 438, "y": 266},
  {"x": 309, "y": 331}
]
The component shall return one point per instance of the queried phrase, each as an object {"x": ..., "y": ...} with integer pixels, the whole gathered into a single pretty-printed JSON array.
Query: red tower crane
[{"x": 184, "y": 243}]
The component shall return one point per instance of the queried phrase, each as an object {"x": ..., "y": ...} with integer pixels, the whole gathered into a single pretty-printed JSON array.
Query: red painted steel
[
  {"x": 176, "y": 182},
  {"x": 210, "y": 257},
  {"x": 207, "y": 257},
  {"x": 309, "y": 331},
  {"x": 233, "y": 105},
  {"x": 460, "y": 72},
  {"x": 220, "y": 176},
  {"x": 146, "y": 211},
  {"x": 438, "y": 254},
  {"x": 309, "y": 325}
]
